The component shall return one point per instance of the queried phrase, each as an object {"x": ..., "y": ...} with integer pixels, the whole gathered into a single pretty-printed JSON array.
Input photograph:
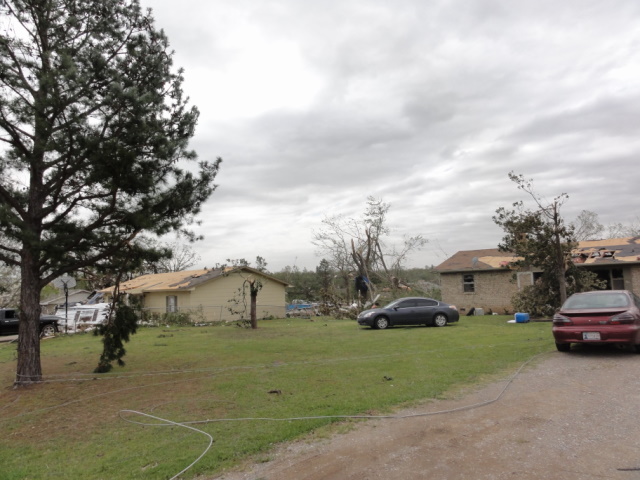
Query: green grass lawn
[{"x": 74, "y": 424}]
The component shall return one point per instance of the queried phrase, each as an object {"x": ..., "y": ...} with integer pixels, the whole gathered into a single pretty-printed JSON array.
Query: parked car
[
  {"x": 605, "y": 316},
  {"x": 9, "y": 323},
  {"x": 410, "y": 311}
]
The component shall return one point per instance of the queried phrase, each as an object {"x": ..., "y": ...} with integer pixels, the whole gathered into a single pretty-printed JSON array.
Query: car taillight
[
  {"x": 561, "y": 319},
  {"x": 622, "y": 318}
]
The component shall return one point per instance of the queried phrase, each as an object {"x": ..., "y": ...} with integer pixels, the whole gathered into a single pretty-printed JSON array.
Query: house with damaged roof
[
  {"x": 484, "y": 278},
  {"x": 208, "y": 295}
]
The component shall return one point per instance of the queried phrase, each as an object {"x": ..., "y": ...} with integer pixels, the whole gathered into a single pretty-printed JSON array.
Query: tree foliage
[
  {"x": 543, "y": 241},
  {"x": 174, "y": 256},
  {"x": 122, "y": 323},
  {"x": 587, "y": 226},
  {"x": 305, "y": 284},
  {"x": 95, "y": 131},
  {"x": 9, "y": 286},
  {"x": 619, "y": 230}
]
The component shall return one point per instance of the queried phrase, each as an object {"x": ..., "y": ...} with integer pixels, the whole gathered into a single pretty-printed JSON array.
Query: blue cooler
[{"x": 522, "y": 317}]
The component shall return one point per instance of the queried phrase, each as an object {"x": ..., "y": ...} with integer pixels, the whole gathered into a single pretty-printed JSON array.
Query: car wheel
[
  {"x": 563, "y": 347},
  {"x": 381, "y": 323},
  {"x": 636, "y": 348},
  {"x": 48, "y": 331},
  {"x": 440, "y": 320}
]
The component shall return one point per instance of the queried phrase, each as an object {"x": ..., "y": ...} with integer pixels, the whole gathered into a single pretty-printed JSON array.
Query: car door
[
  {"x": 405, "y": 313},
  {"x": 426, "y": 308},
  {"x": 10, "y": 322}
]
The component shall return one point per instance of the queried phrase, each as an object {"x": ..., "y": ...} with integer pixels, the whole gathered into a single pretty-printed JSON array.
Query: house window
[
  {"x": 172, "y": 303},
  {"x": 617, "y": 279},
  {"x": 468, "y": 284}
]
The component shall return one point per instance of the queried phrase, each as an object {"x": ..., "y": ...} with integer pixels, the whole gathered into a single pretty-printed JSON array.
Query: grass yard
[{"x": 78, "y": 425}]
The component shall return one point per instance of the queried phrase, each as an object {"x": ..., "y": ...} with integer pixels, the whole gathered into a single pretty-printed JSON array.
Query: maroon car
[{"x": 605, "y": 316}]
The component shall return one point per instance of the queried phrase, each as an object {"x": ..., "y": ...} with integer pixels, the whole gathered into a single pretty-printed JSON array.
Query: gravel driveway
[{"x": 564, "y": 416}]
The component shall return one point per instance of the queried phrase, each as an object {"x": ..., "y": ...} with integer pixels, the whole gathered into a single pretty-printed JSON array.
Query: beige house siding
[
  {"x": 207, "y": 295},
  {"x": 219, "y": 295},
  {"x": 220, "y": 299},
  {"x": 632, "y": 279},
  {"x": 492, "y": 290},
  {"x": 157, "y": 301}
]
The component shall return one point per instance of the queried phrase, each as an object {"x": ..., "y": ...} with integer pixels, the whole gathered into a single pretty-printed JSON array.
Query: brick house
[{"x": 483, "y": 278}]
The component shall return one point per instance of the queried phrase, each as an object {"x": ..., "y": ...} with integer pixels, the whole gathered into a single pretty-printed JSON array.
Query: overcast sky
[{"x": 427, "y": 105}]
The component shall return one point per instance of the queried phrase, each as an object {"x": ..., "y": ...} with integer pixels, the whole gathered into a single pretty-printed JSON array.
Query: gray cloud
[{"x": 427, "y": 105}]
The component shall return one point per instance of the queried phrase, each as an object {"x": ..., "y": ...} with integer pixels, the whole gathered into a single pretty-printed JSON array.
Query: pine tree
[{"x": 94, "y": 130}]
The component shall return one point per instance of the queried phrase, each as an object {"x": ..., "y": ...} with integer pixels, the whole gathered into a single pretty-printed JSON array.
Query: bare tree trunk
[
  {"x": 254, "y": 316},
  {"x": 254, "y": 288},
  {"x": 362, "y": 270},
  {"x": 347, "y": 286},
  {"x": 29, "y": 369},
  {"x": 560, "y": 273}
]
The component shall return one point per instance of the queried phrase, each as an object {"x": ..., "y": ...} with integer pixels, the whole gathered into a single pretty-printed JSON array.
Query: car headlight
[{"x": 366, "y": 314}]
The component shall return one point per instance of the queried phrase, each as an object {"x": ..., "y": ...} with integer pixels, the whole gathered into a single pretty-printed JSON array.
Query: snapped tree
[
  {"x": 541, "y": 239},
  {"x": 238, "y": 304},
  {"x": 122, "y": 320},
  {"x": 94, "y": 130},
  {"x": 361, "y": 246}
]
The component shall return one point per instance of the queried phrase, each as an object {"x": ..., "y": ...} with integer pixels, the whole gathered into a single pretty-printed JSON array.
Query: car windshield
[
  {"x": 597, "y": 300},
  {"x": 393, "y": 304}
]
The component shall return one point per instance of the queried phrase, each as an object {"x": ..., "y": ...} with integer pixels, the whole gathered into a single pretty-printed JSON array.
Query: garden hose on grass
[{"x": 166, "y": 422}]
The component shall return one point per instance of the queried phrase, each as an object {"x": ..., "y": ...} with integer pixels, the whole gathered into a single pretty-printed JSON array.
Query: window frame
[
  {"x": 172, "y": 306},
  {"x": 468, "y": 286}
]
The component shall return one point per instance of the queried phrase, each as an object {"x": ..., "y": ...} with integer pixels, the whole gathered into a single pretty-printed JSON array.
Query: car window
[
  {"x": 406, "y": 304},
  {"x": 600, "y": 300},
  {"x": 392, "y": 304},
  {"x": 426, "y": 303}
]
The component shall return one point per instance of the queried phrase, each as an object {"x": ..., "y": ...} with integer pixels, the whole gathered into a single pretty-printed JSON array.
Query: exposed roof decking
[
  {"x": 591, "y": 252},
  {"x": 181, "y": 281}
]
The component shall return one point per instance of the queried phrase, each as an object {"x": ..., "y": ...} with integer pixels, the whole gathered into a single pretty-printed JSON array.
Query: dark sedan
[
  {"x": 410, "y": 311},
  {"x": 606, "y": 316}
]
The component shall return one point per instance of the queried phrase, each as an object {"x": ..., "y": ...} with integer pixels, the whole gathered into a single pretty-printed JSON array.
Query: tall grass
[{"x": 74, "y": 426}]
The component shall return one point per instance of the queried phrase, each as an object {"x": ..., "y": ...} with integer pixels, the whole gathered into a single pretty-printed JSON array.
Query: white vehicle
[{"x": 82, "y": 317}]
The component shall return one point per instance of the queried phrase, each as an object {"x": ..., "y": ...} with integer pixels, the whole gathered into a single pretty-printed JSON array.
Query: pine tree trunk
[{"x": 29, "y": 368}]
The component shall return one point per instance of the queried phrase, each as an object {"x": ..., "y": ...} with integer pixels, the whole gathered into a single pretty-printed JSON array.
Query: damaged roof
[
  {"x": 612, "y": 251},
  {"x": 487, "y": 259},
  {"x": 590, "y": 252},
  {"x": 186, "y": 280}
]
